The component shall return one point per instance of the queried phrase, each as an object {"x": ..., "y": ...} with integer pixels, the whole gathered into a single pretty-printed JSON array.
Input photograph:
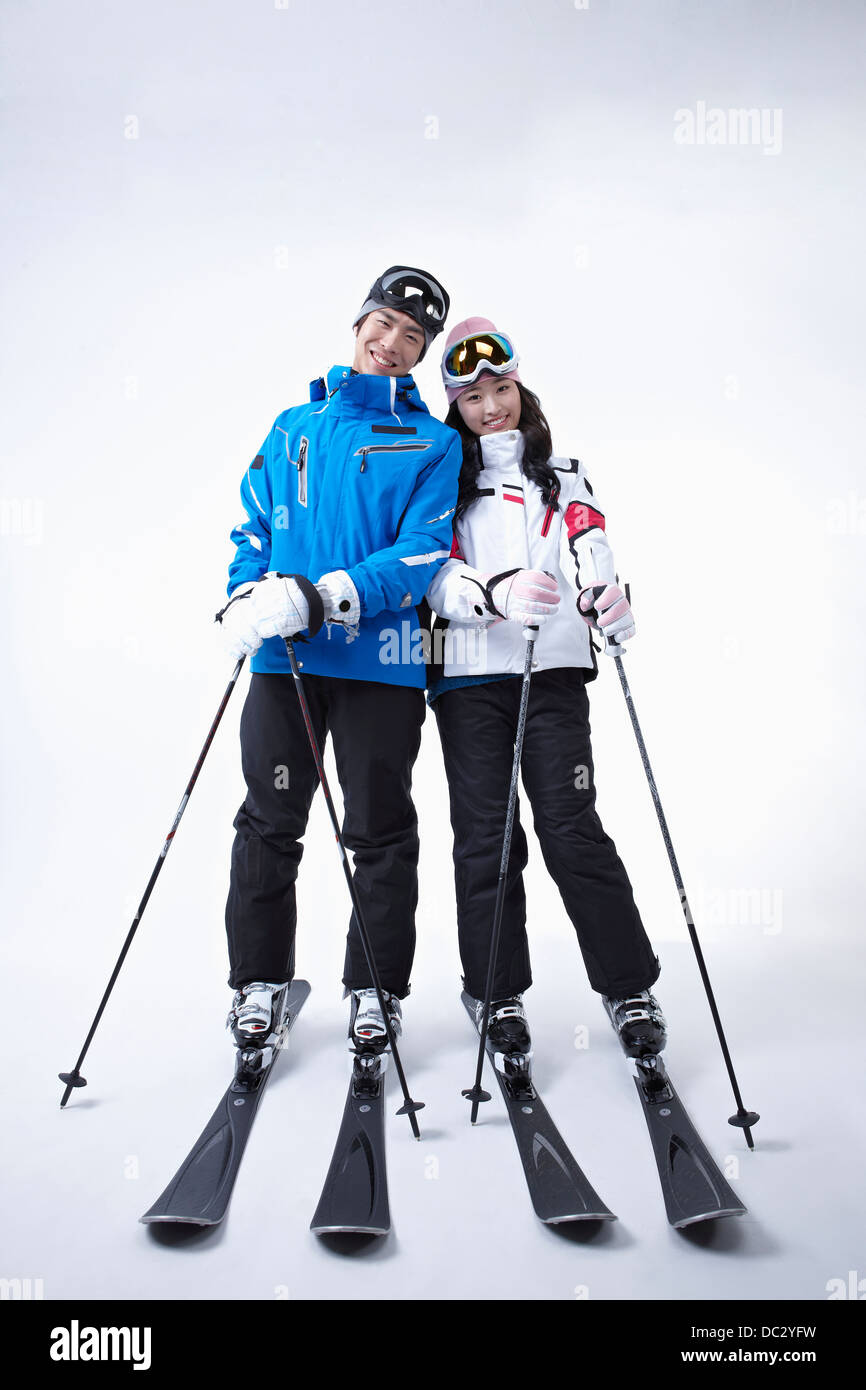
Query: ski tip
[
  {"x": 589, "y": 1216},
  {"x": 169, "y": 1220},
  {"x": 708, "y": 1216},
  {"x": 350, "y": 1230}
]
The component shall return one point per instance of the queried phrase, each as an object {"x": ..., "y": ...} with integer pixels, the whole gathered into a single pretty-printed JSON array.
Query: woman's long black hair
[{"x": 537, "y": 449}]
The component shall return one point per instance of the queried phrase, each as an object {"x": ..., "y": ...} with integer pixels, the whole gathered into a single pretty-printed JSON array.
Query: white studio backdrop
[{"x": 197, "y": 199}]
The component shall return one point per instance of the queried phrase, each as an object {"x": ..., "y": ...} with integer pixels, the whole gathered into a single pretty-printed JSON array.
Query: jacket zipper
[
  {"x": 548, "y": 515},
  {"x": 302, "y": 471}
]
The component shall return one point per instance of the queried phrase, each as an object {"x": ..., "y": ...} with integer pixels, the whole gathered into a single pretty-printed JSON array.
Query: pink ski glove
[
  {"x": 529, "y": 597},
  {"x": 613, "y": 617}
]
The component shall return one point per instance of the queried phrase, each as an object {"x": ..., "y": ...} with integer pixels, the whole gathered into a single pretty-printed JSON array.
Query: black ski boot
[
  {"x": 638, "y": 1023},
  {"x": 507, "y": 1028}
]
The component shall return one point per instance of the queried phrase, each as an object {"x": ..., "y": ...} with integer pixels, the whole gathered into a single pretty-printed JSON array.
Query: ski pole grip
[
  {"x": 530, "y": 631},
  {"x": 616, "y": 648},
  {"x": 613, "y": 647}
]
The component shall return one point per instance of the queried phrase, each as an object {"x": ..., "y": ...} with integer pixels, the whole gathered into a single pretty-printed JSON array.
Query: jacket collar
[
  {"x": 362, "y": 394},
  {"x": 503, "y": 450}
]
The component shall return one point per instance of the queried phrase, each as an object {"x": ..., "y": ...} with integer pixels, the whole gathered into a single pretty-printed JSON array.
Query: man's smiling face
[{"x": 387, "y": 343}]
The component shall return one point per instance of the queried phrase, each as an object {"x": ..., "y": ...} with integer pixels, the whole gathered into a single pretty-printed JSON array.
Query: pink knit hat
[{"x": 465, "y": 330}]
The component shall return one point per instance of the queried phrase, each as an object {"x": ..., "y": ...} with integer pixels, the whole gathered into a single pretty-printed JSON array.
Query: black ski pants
[
  {"x": 478, "y": 726},
  {"x": 376, "y": 731}
]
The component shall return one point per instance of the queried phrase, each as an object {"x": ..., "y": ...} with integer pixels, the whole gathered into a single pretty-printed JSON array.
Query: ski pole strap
[
  {"x": 218, "y": 617},
  {"x": 487, "y": 589},
  {"x": 315, "y": 602},
  {"x": 597, "y": 589}
]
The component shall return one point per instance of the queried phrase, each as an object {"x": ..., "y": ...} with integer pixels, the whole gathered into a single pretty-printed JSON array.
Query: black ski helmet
[{"x": 410, "y": 291}]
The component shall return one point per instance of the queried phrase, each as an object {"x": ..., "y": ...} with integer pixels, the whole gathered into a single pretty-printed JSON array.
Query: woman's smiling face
[{"x": 490, "y": 405}]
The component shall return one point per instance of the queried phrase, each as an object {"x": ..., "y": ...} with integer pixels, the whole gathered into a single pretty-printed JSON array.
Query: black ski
[
  {"x": 355, "y": 1195},
  {"x": 693, "y": 1187},
  {"x": 560, "y": 1191},
  {"x": 200, "y": 1191}
]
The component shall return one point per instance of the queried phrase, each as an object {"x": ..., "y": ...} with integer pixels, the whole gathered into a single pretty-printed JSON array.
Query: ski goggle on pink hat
[{"x": 476, "y": 348}]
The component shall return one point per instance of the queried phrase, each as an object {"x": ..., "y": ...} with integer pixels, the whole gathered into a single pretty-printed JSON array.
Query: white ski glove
[
  {"x": 612, "y": 615},
  {"x": 529, "y": 596},
  {"x": 277, "y": 607},
  {"x": 237, "y": 627}
]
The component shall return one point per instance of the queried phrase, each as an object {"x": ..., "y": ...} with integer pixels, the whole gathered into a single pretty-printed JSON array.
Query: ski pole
[
  {"x": 409, "y": 1106},
  {"x": 743, "y": 1119},
  {"x": 476, "y": 1093},
  {"x": 73, "y": 1079}
]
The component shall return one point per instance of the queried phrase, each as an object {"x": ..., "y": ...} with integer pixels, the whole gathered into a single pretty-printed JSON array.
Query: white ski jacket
[{"x": 510, "y": 527}]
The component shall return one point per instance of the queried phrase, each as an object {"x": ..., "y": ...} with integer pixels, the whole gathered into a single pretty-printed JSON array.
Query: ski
[
  {"x": 559, "y": 1189},
  {"x": 692, "y": 1184},
  {"x": 201, "y": 1189},
  {"x": 355, "y": 1195}
]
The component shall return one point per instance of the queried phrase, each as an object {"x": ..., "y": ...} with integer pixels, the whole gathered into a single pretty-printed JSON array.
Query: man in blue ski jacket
[{"x": 354, "y": 492}]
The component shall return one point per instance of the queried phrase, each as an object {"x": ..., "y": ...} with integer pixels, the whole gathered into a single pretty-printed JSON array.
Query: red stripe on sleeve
[
  {"x": 456, "y": 552},
  {"x": 580, "y": 517}
]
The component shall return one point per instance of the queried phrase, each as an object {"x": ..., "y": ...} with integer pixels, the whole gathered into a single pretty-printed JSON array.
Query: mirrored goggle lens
[
  {"x": 403, "y": 285},
  {"x": 482, "y": 350}
]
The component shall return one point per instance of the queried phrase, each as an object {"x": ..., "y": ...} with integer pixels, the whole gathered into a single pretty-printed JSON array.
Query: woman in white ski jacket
[{"x": 516, "y": 503}]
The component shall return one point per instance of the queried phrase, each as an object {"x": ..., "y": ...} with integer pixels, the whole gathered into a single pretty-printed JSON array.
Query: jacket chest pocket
[{"x": 415, "y": 446}]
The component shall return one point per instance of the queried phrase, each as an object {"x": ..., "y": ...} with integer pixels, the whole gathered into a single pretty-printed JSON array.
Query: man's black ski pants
[{"x": 376, "y": 733}]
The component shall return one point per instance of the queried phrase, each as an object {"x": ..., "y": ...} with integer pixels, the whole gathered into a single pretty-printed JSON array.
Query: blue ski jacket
[{"x": 362, "y": 479}]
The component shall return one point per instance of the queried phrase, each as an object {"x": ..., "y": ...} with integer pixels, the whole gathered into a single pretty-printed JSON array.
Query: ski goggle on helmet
[
  {"x": 409, "y": 291},
  {"x": 469, "y": 358}
]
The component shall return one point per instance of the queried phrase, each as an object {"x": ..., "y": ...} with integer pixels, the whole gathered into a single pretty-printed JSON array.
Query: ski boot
[
  {"x": 508, "y": 1036},
  {"x": 366, "y": 1026},
  {"x": 638, "y": 1022},
  {"x": 507, "y": 1027},
  {"x": 257, "y": 1023}
]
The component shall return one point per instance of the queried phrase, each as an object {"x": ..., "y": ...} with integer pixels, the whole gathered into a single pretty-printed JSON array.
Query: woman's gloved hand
[
  {"x": 529, "y": 596},
  {"x": 605, "y": 608}
]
